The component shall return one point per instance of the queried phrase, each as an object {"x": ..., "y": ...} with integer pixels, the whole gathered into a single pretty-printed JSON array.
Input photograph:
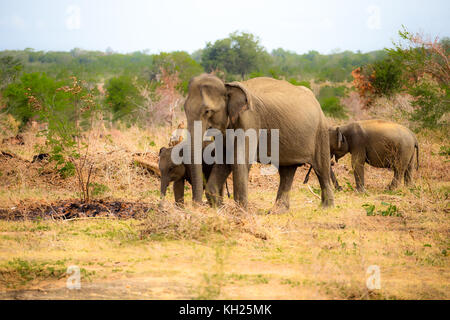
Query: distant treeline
[{"x": 236, "y": 57}]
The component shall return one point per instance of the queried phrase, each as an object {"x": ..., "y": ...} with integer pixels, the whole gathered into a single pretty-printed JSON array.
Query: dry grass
[
  {"x": 199, "y": 252},
  {"x": 200, "y": 223}
]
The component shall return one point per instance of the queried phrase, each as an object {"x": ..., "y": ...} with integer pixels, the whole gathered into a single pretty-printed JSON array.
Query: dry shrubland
[{"x": 199, "y": 252}]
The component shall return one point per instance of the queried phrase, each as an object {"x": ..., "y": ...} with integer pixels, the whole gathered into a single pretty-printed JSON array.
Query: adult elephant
[{"x": 261, "y": 103}]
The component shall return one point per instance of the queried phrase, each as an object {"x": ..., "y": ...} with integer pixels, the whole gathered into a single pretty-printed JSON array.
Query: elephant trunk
[
  {"x": 196, "y": 168},
  {"x": 164, "y": 184}
]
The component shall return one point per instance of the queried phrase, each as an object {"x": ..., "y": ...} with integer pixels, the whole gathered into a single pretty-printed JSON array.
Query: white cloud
[
  {"x": 73, "y": 20},
  {"x": 374, "y": 20}
]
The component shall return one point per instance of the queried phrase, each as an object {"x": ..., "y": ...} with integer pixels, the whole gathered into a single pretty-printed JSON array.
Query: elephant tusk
[{"x": 309, "y": 188}]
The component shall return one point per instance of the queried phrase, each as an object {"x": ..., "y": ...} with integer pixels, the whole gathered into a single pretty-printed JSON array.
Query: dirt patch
[{"x": 71, "y": 209}]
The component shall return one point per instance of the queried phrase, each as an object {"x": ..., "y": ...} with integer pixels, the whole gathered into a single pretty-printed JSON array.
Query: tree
[
  {"x": 240, "y": 53},
  {"x": 426, "y": 65},
  {"x": 179, "y": 62},
  {"x": 10, "y": 68},
  {"x": 416, "y": 65},
  {"x": 249, "y": 54},
  {"x": 218, "y": 56}
]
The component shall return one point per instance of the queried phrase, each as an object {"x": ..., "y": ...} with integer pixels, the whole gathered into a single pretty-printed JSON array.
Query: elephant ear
[{"x": 238, "y": 101}]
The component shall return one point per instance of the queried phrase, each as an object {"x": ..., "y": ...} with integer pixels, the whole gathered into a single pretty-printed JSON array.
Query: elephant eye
[{"x": 208, "y": 112}]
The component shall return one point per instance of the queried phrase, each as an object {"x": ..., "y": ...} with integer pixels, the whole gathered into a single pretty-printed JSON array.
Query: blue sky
[{"x": 297, "y": 25}]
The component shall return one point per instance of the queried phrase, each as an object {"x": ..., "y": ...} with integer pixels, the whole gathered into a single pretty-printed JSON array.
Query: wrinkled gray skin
[
  {"x": 261, "y": 103},
  {"x": 381, "y": 144},
  {"x": 179, "y": 174}
]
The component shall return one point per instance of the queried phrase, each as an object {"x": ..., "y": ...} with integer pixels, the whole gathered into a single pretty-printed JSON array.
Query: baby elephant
[
  {"x": 381, "y": 144},
  {"x": 181, "y": 173}
]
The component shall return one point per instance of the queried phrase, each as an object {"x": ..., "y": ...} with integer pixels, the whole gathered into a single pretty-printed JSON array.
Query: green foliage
[
  {"x": 391, "y": 210},
  {"x": 24, "y": 271},
  {"x": 88, "y": 65},
  {"x": 295, "y": 82},
  {"x": 122, "y": 96},
  {"x": 432, "y": 102},
  {"x": 426, "y": 73},
  {"x": 98, "y": 189},
  {"x": 387, "y": 76},
  {"x": 10, "y": 68},
  {"x": 335, "y": 67},
  {"x": 39, "y": 85},
  {"x": 240, "y": 53},
  {"x": 256, "y": 74},
  {"x": 444, "y": 151},
  {"x": 176, "y": 62},
  {"x": 333, "y": 107},
  {"x": 329, "y": 99},
  {"x": 68, "y": 115}
]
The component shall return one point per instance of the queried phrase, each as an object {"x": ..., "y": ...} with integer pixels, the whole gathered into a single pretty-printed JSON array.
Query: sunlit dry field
[{"x": 203, "y": 253}]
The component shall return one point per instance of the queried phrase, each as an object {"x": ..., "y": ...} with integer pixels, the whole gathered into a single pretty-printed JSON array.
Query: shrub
[
  {"x": 40, "y": 86},
  {"x": 332, "y": 107},
  {"x": 256, "y": 74},
  {"x": 295, "y": 82},
  {"x": 330, "y": 102},
  {"x": 387, "y": 76},
  {"x": 69, "y": 115},
  {"x": 10, "y": 68},
  {"x": 420, "y": 68},
  {"x": 122, "y": 96},
  {"x": 427, "y": 73},
  {"x": 390, "y": 211},
  {"x": 432, "y": 102}
]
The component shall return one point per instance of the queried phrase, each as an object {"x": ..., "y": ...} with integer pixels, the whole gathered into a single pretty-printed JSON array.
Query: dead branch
[{"x": 149, "y": 166}]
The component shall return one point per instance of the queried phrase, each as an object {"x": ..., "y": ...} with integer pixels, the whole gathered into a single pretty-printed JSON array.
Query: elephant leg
[
  {"x": 322, "y": 167},
  {"x": 358, "y": 170},
  {"x": 178, "y": 191},
  {"x": 334, "y": 180},
  {"x": 240, "y": 184},
  {"x": 215, "y": 184},
  {"x": 398, "y": 174},
  {"x": 408, "y": 173},
  {"x": 286, "y": 178},
  {"x": 323, "y": 174}
]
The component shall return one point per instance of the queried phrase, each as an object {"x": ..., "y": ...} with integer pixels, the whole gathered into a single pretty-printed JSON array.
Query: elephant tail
[
  {"x": 416, "y": 146},
  {"x": 307, "y": 175}
]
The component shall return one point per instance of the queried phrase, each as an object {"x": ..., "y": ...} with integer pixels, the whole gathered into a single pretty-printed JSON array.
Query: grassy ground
[{"x": 201, "y": 253}]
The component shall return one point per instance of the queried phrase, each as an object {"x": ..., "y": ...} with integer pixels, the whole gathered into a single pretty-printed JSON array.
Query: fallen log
[{"x": 149, "y": 166}]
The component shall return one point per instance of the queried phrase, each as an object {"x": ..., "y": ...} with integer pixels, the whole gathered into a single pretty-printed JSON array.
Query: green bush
[
  {"x": 431, "y": 103},
  {"x": 295, "y": 82},
  {"x": 37, "y": 84},
  {"x": 122, "y": 96},
  {"x": 387, "y": 76},
  {"x": 10, "y": 68},
  {"x": 329, "y": 99},
  {"x": 256, "y": 74},
  {"x": 332, "y": 107}
]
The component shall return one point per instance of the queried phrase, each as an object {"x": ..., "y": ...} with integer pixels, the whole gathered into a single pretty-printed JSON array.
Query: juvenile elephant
[
  {"x": 178, "y": 174},
  {"x": 381, "y": 144},
  {"x": 261, "y": 103}
]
